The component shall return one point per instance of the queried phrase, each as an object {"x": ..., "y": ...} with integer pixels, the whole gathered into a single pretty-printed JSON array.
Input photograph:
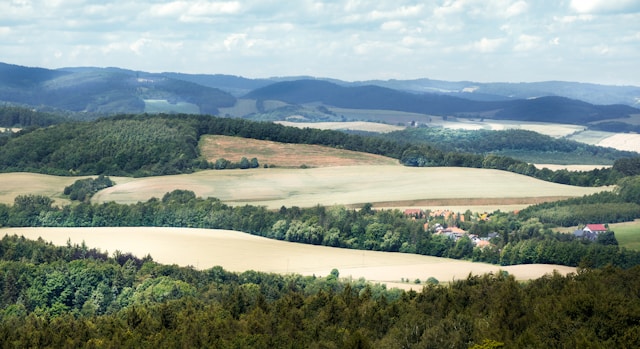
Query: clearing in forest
[{"x": 285, "y": 154}]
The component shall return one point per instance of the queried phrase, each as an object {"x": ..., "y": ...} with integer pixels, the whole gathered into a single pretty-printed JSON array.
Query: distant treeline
[
  {"x": 144, "y": 145},
  {"x": 523, "y": 145},
  {"x": 76, "y": 296},
  {"x": 521, "y": 238}
]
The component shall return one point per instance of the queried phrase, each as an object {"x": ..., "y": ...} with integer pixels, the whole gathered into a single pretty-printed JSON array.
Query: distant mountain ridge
[{"x": 115, "y": 90}]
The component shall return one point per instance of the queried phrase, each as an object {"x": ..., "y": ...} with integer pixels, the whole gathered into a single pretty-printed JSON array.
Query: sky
[{"x": 595, "y": 41}]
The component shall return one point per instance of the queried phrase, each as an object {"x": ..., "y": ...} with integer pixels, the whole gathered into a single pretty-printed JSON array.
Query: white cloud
[
  {"x": 528, "y": 42},
  {"x": 605, "y": 6},
  {"x": 486, "y": 45}
]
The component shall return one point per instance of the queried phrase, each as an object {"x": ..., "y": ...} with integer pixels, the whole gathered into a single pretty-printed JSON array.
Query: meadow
[
  {"x": 627, "y": 234},
  {"x": 236, "y": 251}
]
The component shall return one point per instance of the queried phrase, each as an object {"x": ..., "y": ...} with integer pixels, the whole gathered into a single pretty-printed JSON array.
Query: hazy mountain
[
  {"x": 104, "y": 90},
  {"x": 549, "y": 109},
  {"x": 116, "y": 90}
]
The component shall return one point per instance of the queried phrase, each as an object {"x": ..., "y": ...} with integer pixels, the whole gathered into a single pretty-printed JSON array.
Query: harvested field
[
  {"x": 555, "y": 167},
  {"x": 285, "y": 154},
  {"x": 235, "y": 251},
  {"x": 622, "y": 141},
  {"x": 23, "y": 183},
  {"x": 345, "y": 126},
  {"x": 276, "y": 187}
]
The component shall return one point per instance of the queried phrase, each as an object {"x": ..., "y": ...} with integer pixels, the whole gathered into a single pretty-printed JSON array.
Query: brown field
[
  {"x": 235, "y": 251},
  {"x": 347, "y": 185},
  {"x": 284, "y": 154}
]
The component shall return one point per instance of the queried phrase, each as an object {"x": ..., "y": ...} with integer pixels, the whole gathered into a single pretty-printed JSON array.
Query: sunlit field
[
  {"x": 277, "y": 187},
  {"x": 235, "y": 251}
]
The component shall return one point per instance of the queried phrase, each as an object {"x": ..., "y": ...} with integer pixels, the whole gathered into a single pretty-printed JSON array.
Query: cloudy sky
[{"x": 480, "y": 40}]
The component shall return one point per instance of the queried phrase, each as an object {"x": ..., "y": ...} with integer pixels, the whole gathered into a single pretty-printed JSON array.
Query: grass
[
  {"x": 238, "y": 252},
  {"x": 627, "y": 234}
]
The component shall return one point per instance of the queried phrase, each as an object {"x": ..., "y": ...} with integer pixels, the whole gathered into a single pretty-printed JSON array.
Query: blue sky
[{"x": 480, "y": 40}]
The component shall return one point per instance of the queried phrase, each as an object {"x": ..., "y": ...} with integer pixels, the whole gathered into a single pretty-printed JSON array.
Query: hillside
[
  {"x": 98, "y": 91},
  {"x": 279, "y": 154},
  {"x": 548, "y": 109},
  {"x": 105, "y": 91}
]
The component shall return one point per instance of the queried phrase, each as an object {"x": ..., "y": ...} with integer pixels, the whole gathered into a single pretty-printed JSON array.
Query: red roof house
[{"x": 595, "y": 228}]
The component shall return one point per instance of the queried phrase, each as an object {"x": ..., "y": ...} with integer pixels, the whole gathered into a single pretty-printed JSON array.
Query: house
[
  {"x": 590, "y": 231},
  {"x": 595, "y": 228},
  {"x": 414, "y": 212}
]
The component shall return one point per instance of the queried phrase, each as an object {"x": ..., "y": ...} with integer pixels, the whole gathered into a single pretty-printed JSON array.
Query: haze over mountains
[{"x": 115, "y": 90}]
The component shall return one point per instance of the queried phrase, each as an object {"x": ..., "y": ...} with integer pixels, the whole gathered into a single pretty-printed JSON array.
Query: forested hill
[
  {"x": 105, "y": 91},
  {"x": 145, "y": 145},
  {"x": 548, "y": 109}
]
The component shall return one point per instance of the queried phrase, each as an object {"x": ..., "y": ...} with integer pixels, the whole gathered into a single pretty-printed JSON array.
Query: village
[{"x": 444, "y": 222}]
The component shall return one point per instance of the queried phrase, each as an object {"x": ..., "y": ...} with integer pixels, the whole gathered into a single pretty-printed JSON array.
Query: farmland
[
  {"x": 284, "y": 154},
  {"x": 276, "y": 187},
  {"x": 235, "y": 251},
  {"x": 627, "y": 234}
]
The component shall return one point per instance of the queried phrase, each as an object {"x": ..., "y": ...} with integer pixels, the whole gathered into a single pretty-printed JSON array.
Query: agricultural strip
[
  {"x": 276, "y": 187},
  {"x": 285, "y": 154},
  {"x": 236, "y": 251}
]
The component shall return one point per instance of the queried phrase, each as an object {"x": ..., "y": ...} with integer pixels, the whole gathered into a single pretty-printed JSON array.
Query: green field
[{"x": 627, "y": 234}]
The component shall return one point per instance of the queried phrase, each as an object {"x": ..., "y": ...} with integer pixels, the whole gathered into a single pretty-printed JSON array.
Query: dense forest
[
  {"x": 76, "y": 296},
  {"x": 523, "y": 238},
  {"x": 145, "y": 145}
]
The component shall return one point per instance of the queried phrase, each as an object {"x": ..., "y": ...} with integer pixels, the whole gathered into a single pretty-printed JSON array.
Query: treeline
[
  {"x": 523, "y": 145},
  {"x": 14, "y": 116},
  {"x": 619, "y": 206},
  {"x": 145, "y": 145},
  {"x": 83, "y": 189},
  {"x": 519, "y": 240},
  {"x": 75, "y": 296}
]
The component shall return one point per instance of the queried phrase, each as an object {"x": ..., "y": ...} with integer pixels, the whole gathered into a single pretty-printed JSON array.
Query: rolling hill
[{"x": 104, "y": 91}]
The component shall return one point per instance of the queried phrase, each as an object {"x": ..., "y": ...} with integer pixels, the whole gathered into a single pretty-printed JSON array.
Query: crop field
[
  {"x": 627, "y": 234},
  {"x": 345, "y": 126},
  {"x": 555, "y": 167},
  {"x": 22, "y": 183},
  {"x": 622, "y": 141},
  {"x": 391, "y": 185},
  {"x": 284, "y": 154},
  {"x": 236, "y": 251}
]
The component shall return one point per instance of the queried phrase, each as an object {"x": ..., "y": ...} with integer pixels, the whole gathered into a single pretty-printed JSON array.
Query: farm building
[{"x": 590, "y": 231}]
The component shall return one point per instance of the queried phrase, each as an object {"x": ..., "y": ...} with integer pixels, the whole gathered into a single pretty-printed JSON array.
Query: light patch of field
[
  {"x": 276, "y": 187},
  {"x": 238, "y": 252},
  {"x": 242, "y": 107},
  {"x": 23, "y": 183},
  {"x": 627, "y": 234},
  {"x": 285, "y": 154},
  {"x": 163, "y": 106},
  {"x": 555, "y": 167},
  {"x": 10, "y": 129},
  {"x": 622, "y": 141},
  {"x": 549, "y": 129},
  {"x": 345, "y": 126},
  {"x": 590, "y": 137}
]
